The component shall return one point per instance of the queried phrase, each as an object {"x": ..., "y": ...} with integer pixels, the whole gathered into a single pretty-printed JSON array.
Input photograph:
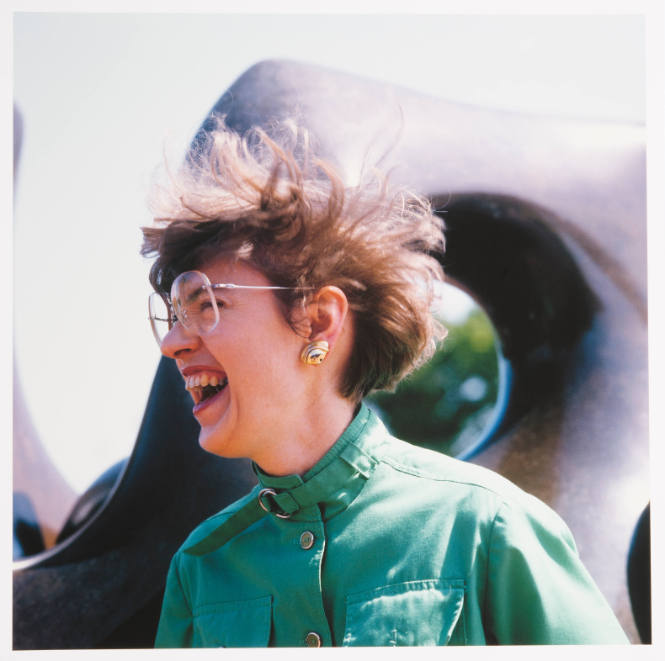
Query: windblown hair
[{"x": 271, "y": 203}]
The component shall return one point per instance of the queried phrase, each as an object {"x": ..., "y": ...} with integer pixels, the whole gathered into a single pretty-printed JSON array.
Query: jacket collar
[
  {"x": 331, "y": 485},
  {"x": 336, "y": 479}
]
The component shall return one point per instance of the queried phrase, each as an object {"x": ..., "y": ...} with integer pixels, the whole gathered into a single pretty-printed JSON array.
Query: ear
[{"x": 326, "y": 313}]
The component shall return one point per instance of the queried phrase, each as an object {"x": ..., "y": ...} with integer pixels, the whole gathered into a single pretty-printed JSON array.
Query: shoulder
[
  {"x": 462, "y": 483},
  {"x": 431, "y": 466},
  {"x": 415, "y": 462},
  {"x": 509, "y": 519}
]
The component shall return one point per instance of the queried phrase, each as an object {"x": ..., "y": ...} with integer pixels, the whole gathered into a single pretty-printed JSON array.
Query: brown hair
[{"x": 271, "y": 203}]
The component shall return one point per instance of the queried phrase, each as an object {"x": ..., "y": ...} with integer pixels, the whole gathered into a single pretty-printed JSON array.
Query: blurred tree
[{"x": 447, "y": 403}]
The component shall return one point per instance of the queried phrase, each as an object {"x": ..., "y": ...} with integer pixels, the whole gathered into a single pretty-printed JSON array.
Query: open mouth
[
  {"x": 204, "y": 387},
  {"x": 210, "y": 391}
]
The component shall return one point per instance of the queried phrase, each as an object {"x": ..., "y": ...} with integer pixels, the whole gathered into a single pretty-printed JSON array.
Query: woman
[{"x": 284, "y": 299}]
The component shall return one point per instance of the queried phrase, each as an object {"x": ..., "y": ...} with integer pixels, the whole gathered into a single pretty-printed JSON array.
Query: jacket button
[
  {"x": 306, "y": 540},
  {"x": 313, "y": 639}
]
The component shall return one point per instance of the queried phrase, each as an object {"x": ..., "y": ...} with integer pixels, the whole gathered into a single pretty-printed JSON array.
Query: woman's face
[{"x": 254, "y": 354}]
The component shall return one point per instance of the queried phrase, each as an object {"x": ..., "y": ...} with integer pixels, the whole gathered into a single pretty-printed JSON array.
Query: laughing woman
[{"x": 284, "y": 299}]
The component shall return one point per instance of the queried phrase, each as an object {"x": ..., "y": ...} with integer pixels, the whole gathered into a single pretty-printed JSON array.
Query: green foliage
[{"x": 446, "y": 404}]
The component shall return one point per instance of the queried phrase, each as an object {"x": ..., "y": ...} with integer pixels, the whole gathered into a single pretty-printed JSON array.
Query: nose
[{"x": 179, "y": 341}]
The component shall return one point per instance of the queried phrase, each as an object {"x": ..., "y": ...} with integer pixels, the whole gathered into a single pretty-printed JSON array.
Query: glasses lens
[
  {"x": 159, "y": 316},
  {"x": 194, "y": 303}
]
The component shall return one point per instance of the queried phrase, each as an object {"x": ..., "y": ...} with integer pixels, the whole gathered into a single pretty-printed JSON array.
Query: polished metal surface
[
  {"x": 546, "y": 227},
  {"x": 306, "y": 540},
  {"x": 573, "y": 191},
  {"x": 312, "y": 639}
]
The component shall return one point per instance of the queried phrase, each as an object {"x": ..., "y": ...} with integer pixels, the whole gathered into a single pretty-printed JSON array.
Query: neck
[{"x": 318, "y": 428}]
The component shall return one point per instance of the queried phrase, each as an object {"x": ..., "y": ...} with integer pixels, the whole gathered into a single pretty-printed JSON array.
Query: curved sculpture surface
[{"x": 546, "y": 228}]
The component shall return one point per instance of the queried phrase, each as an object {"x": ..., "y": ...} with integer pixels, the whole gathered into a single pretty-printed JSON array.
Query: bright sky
[{"x": 101, "y": 95}]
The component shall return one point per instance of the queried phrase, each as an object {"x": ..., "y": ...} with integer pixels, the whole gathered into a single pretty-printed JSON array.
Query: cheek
[
  {"x": 260, "y": 353},
  {"x": 275, "y": 372},
  {"x": 261, "y": 361}
]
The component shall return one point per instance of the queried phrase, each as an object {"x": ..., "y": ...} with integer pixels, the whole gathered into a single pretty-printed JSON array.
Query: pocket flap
[
  {"x": 233, "y": 623},
  {"x": 412, "y": 613}
]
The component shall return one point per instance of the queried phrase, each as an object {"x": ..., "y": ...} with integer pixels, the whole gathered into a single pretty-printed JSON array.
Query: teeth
[{"x": 203, "y": 380}]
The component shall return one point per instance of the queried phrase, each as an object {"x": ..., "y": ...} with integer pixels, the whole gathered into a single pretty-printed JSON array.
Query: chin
[
  {"x": 209, "y": 443},
  {"x": 219, "y": 444}
]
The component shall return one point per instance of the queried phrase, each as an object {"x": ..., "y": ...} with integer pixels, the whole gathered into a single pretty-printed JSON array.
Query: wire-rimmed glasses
[{"x": 192, "y": 303}]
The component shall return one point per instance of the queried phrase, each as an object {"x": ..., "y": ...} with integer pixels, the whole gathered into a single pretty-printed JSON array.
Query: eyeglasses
[{"x": 192, "y": 303}]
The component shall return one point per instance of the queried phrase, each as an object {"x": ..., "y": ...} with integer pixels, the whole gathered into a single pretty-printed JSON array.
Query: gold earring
[{"x": 315, "y": 353}]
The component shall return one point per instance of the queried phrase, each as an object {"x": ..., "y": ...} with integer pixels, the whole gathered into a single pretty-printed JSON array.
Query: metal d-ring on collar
[{"x": 270, "y": 492}]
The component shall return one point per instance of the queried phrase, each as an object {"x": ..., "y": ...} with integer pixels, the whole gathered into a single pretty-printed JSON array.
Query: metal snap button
[
  {"x": 307, "y": 540},
  {"x": 312, "y": 639}
]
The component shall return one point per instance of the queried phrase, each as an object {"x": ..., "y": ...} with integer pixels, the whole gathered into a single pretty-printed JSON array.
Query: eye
[{"x": 207, "y": 305}]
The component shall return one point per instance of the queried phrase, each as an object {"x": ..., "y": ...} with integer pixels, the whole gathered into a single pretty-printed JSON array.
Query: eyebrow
[{"x": 194, "y": 295}]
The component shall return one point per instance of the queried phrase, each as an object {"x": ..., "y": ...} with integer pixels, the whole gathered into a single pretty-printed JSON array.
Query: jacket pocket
[
  {"x": 423, "y": 612},
  {"x": 233, "y": 623}
]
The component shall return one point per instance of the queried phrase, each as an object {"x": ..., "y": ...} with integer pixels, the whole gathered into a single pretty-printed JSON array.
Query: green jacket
[{"x": 385, "y": 544}]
